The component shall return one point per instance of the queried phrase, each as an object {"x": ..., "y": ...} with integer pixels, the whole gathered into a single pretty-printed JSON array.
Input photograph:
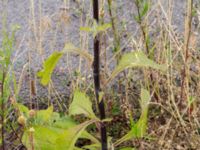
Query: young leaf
[
  {"x": 48, "y": 67},
  {"x": 135, "y": 59},
  {"x": 95, "y": 29},
  {"x": 81, "y": 105},
  {"x": 100, "y": 28}
]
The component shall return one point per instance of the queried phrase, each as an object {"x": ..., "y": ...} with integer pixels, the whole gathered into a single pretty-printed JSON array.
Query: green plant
[
  {"x": 82, "y": 105},
  {"x": 6, "y": 52},
  {"x": 45, "y": 129}
]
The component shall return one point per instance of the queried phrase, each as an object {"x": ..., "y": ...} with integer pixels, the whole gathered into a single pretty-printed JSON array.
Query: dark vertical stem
[{"x": 96, "y": 73}]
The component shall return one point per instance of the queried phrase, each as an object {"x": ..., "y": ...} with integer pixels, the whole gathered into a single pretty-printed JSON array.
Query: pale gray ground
[{"x": 19, "y": 12}]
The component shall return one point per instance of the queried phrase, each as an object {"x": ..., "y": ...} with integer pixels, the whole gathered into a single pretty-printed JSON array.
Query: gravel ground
[{"x": 60, "y": 27}]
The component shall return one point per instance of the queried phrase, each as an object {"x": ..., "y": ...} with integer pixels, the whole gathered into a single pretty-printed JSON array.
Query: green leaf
[
  {"x": 103, "y": 27},
  {"x": 95, "y": 29},
  {"x": 15, "y": 27},
  {"x": 48, "y": 67},
  {"x": 92, "y": 147},
  {"x": 52, "y": 60},
  {"x": 67, "y": 140},
  {"x": 130, "y": 135},
  {"x": 145, "y": 99},
  {"x": 64, "y": 122},
  {"x": 81, "y": 105},
  {"x": 43, "y": 116},
  {"x": 72, "y": 49},
  {"x": 86, "y": 29},
  {"x": 135, "y": 59},
  {"x": 86, "y": 135},
  {"x": 43, "y": 138},
  {"x": 140, "y": 127},
  {"x": 23, "y": 109},
  {"x": 145, "y": 9},
  {"x": 191, "y": 100},
  {"x": 67, "y": 122}
]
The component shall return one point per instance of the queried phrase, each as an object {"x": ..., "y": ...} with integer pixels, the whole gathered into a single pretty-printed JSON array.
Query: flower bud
[
  {"x": 32, "y": 113},
  {"x": 21, "y": 120},
  {"x": 31, "y": 130}
]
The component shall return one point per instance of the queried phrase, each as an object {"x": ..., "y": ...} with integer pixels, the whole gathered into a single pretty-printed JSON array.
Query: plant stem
[
  {"x": 188, "y": 26},
  {"x": 116, "y": 37},
  {"x": 142, "y": 27},
  {"x": 2, "y": 111},
  {"x": 96, "y": 73}
]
